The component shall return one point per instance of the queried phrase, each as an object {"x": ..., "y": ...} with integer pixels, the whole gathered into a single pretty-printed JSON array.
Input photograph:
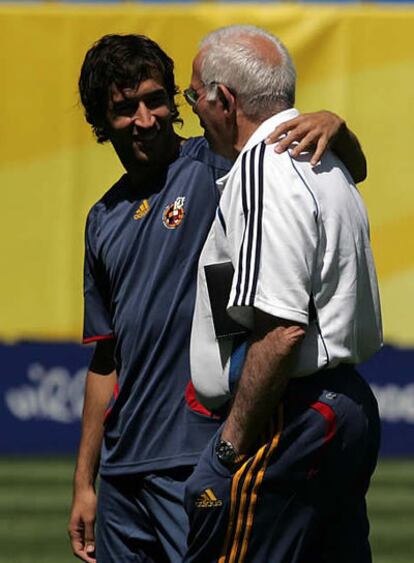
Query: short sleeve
[
  {"x": 97, "y": 317},
  {"x": 275, "y": 249}
]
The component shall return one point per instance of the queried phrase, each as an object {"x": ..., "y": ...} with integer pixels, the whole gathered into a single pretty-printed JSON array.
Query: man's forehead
[{"x": 143, "y": 87}]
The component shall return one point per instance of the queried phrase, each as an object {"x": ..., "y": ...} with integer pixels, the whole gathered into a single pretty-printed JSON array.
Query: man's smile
[{"x": 145, "y": 137}]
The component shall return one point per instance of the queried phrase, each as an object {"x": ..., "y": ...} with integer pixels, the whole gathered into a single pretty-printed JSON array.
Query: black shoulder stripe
[
  {"x": 245, "y": 211},
  {"x": 252, "y": 202},
  {"x": 259, "y": 224},
  {"x": 247, "y": 262}
]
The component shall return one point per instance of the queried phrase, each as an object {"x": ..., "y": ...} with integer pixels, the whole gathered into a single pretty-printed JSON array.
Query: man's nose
[{"x": 143, "y": 117}]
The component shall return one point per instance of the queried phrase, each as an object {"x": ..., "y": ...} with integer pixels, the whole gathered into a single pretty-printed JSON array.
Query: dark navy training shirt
[{"x": 140, "y": 283}]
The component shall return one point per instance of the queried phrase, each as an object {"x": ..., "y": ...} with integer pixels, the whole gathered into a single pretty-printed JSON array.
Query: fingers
[
  {"x": 90, "y": 540},
  {"x": 83, "y": 552},
  {"x": 82, "y": 541},
  {"x": 284, "y": 143},
  {"x": 306, "y": 144},
  {"x": 300, "y": 138},
  {"x": 298, "y": 143},
  {"x": 321, "y": 147},
  {"x": 308, "y": 132},
  {"x": 90, "y": 553},
  {"x": 282, "y": 130},
  {"x": 76, "y": 543},
  {"x": 82, "y": 524}
]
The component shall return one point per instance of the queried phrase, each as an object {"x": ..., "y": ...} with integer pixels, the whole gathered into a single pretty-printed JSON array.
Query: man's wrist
[
  {"x": 84, "y": 480},
  {"x": 227, "y": 454}
]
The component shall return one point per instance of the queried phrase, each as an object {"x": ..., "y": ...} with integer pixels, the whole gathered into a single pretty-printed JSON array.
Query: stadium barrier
[{"x": 41, "y": 398}]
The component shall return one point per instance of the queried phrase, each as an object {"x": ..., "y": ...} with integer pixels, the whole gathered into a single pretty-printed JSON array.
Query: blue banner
[
  {"x": 390, "y": 374},
  {"x": 41, "y": 395}
]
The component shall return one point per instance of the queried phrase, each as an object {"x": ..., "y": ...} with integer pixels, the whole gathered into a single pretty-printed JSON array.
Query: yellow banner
[{"x": 355, "y": 60}]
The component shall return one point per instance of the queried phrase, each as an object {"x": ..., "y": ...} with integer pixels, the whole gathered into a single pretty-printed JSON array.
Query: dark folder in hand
[{"x": 219, "y": 278}]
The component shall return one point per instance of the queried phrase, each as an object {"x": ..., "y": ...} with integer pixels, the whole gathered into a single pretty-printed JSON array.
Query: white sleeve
[{"x": 276, "y": 248}]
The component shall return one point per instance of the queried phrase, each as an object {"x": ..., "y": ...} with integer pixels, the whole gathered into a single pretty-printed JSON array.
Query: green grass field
[{"x": 35, "y": 499}]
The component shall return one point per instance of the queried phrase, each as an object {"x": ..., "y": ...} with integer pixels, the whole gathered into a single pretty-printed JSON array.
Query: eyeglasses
[{"x": 191, "y": 95}]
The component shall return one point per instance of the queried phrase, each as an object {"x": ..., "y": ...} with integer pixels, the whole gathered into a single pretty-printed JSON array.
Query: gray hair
[{"x": 263, "y": 87}]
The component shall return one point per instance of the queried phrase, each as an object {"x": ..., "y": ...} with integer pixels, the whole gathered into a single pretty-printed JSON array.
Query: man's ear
[{"x": 226, "y": 98}]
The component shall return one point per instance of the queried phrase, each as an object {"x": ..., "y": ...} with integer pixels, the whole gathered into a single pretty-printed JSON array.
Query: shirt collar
[
  {"x": 260, "y": 135},
  {"x": 268, "y": 127}
]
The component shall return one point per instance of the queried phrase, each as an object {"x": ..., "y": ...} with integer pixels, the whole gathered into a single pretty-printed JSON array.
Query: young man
[
  {"x": 143, "y": 240},
  {"x": 288, "y": 258}
]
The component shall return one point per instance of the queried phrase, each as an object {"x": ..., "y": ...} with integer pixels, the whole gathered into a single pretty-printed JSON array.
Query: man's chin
[{"x": 142, "y": 157}]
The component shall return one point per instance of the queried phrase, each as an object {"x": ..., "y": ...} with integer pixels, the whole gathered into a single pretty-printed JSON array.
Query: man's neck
[
  {"x": 245, "y": 129},
  {"x": 146, "y": 178}
]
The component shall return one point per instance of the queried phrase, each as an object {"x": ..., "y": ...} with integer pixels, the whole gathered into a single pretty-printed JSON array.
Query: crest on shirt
[
  {"x": 142, "y": 210},
  {"x": 174, "y": 213}
]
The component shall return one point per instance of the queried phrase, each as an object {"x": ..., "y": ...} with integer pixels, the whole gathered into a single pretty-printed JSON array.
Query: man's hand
[
  {"x": 316, "y": 132},
  {"x": 82, "y": 523},
  {"x": 98, "y": 391},
  {"x": 307, "y": 132}
]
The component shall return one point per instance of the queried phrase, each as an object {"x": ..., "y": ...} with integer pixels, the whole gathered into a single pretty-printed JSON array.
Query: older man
[{"x": 289, "y": 259}]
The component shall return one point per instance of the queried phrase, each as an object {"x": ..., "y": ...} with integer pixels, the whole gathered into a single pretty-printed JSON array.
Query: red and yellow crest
[{"x": 174, "y": 214}]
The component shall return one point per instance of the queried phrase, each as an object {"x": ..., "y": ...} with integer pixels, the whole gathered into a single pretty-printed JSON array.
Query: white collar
[
  {"x": 268, "y": 127},
  {"x": 258, "y": 136}
]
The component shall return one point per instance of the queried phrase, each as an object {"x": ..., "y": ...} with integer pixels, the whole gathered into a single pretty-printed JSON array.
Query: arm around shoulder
[{"x": 317, "y": 132}]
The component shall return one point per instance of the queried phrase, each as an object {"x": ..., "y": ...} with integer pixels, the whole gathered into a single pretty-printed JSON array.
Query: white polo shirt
[{"x": 292, "y": 241}]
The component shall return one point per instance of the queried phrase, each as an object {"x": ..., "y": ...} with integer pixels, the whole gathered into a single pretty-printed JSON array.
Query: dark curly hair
[{"x": 123, "y": 60}]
